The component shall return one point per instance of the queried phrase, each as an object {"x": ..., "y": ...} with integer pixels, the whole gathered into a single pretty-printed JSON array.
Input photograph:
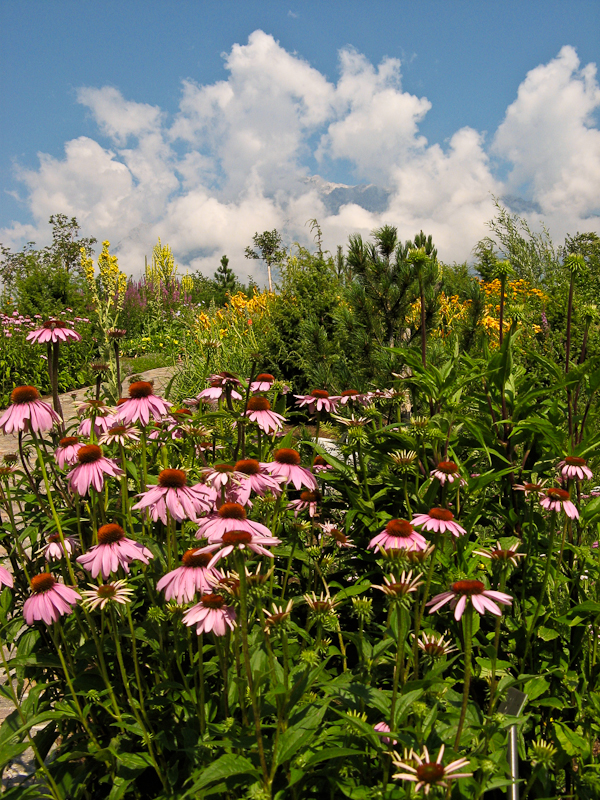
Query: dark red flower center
[
  {"x": 122, "y": 400},
  {"x": 42, "y": 583},
  {"x": 468, "y": 588},
  {"x": 215, "y": 384},
  {"x": 349, "y": 393},
  {"x": 111, "y": 533},
  {"x": 97, "y": 403},
  {"x": 54, "y": 537},
  {"x": 433, "y": 649},
  {"x": 181, "y": 412},
  {"x": 248, "y": 466},
  {"x": 89, "y": 453},
  {"x": 319, "y": 462},
  {"x": 430, "y": 772},
  {"x": 554, "y": 493},
  {"x": 227, "y": 376},
  {"x": 286, "y": 455},
  {"x": 212, "y": 600},
  {"x": 400, "y": 528},
  {"x": 198, "y": 560},
  {"x": 117, "y": 430},
  {"x": 337, "y": 534},
  {"x": 140, "y": 389},
  {"x": 448, "y": 467},
  {"x": 172, "y": 478},
  {"x": 51, "y": 324},
  {"x": 575, "y": 461},
  {"x": 223, "y": 468},
  {"x": 441, "y": 514},
  {"x": 321, "y": 394},
  {"x": 237, "y": 537},
  {"x": 309, "y": 497},
  {"x": 264, "y": 377},
  {"x": 68, "y": 441},
  {"x": 24, "y": 394},
  {"x": 232, "y": 511},
  {"x": 107, "y": 590},
  {"x": 258, "y": 404}
]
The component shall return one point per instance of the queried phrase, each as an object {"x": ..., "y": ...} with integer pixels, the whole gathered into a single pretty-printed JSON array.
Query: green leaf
[
  {"x": 329, "y": 753},
  {"x": 547, "y": 634},
  {"x": 536, "y": 687},
  {"x": 299, "y": 734},
  {"x": 224, "y": 767},
  {"x": 571, "y": 742}
]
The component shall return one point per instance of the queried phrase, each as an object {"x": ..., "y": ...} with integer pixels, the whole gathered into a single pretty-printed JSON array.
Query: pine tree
[{"x": 225, "y": 281}]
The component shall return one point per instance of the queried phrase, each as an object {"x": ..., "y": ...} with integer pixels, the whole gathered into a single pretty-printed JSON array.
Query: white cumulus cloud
[{"x": 236, "y": 159}]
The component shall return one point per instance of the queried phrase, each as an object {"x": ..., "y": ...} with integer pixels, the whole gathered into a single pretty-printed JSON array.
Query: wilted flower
[
  {"x": 530, "y": 488},
  {"x": 501, "y": 554},
  {"x": 278, "y": 616},
  {"x": 338, "y": 536},
  {"x": 120, "y": 434},
  {"x": 398, "y": 589},
  {"x": 427, "y": 773},
  {"x": 100, "y": 596},
  {"x": 434, "y": 645}
]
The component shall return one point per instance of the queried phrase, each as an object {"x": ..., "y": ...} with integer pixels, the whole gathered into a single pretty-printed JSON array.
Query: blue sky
[{"x": 72, "y": 70}]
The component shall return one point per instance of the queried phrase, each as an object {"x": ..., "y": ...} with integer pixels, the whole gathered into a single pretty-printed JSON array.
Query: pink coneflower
[
  {"x": 317, "y": 400},
  {"x": 559, "y": 500},
  {"x": 502, "y": 554},
  {"x": 383, "y": 727},
  {"x": 306, "y": 500},
  {"x": 230, "y": 517},
  {"x": 54, "y": 330},
  {"x": 230, "y": 485},
  {"x": 222, "y": 384},
  {"x": 399, "y": 534},
  {"x": 66, "y": 452},
  {"x": 447, "y": 471},
  {"x": 103, "y": 416},
  {"x": 210, "y": 614},
  {"x": 262, "y": 382},
  {"x": 113, "y": 550},
  {"x": 50, "y": 599},
  {"x": 259, "y": 480},
  {"x": 6, "y": 579},
  {"x": 259, "y": 411},
  {"x": 28, "y": 412},
  {"x": 461, "y": 592},
  {"x": 120, "y": 434},
  {"x": 439, "y": 520},
  {"x": 352, "y": 397},
  {"x": 91, "y": 470},
  {"x": 240, "y": 540},
  {"x": 54, "y": 550},
  {"x": 142, "y": 405},
  {"x": 172, "y": 495},
  {"x": 101, "y": 596},
  {"x": 320, "y": 465},
  {"x": 338, "y": 536},
  {"x": 192, "y": 576},
  {"x": 427, "y": 773},
  {"x": 286, "y": 468},
  {"x": 576, "y": 468}
]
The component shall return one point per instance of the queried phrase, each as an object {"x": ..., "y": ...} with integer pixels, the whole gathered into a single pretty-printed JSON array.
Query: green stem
[
  {"x": 241, "y": 569},
  {"x": 51, "y": 782},
  {"x": 467, "y": 679},
  {"x": 399, "y": 667},
  {"x": 542, "y": 593}
]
